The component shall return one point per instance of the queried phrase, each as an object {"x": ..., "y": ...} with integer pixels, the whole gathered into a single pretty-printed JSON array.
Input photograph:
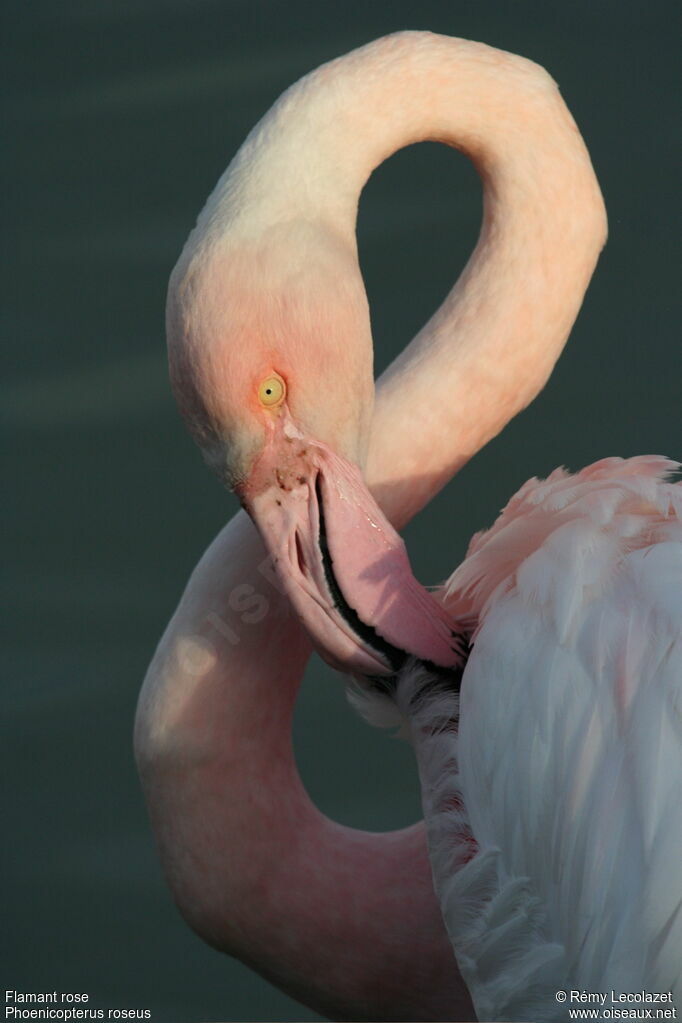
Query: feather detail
[{"x": 553, "y": 815}]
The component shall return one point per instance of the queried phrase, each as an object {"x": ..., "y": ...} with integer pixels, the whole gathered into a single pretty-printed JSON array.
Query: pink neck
[
  {"x": 344, "y": 920},
  {"x": 348, "y": 921}
]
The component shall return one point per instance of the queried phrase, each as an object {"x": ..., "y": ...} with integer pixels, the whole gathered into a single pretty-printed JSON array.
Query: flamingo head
[{"x": 271, "y": 362}]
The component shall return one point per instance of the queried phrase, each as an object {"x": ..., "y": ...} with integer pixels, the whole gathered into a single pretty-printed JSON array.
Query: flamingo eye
[{"x": 272, "y": 391}]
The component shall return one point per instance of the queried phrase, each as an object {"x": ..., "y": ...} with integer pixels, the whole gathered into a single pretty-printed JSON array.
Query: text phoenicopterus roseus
[{"x": 553, "y": 816}]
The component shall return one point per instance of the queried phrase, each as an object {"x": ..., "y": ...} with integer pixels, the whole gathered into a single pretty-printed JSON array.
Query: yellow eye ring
[{"x": 272, "y": 391}]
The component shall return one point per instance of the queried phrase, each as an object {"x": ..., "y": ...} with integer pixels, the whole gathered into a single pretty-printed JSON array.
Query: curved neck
[
  {"x": 491, "y": 346},
  {"x": 344, "y": 920}
]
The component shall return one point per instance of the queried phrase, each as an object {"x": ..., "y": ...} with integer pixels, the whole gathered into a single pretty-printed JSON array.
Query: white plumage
[{"x": 566, "y": 772}]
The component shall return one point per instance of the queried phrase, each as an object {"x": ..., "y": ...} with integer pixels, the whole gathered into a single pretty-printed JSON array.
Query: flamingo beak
[{"x": 341, "y": 563}]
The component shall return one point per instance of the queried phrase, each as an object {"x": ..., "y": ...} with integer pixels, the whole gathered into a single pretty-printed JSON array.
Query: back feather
[{"x": 555, "y": 815}]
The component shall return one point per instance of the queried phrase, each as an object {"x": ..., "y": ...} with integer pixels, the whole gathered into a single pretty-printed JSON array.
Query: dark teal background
[{"x": 118, "y": 119}]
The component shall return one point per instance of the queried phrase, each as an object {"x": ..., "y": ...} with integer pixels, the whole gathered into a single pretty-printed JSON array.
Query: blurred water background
[{"x": 119, "y": 115}]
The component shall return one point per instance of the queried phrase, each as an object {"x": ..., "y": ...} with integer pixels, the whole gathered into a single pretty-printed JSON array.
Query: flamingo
[{"x": 541, "y": 686}]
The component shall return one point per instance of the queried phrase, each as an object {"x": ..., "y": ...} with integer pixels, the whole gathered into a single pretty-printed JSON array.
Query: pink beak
[{"x": 341, "y": 563}]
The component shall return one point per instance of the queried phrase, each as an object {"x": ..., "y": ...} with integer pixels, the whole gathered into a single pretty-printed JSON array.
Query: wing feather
[{"x": 569, "y": 754}]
